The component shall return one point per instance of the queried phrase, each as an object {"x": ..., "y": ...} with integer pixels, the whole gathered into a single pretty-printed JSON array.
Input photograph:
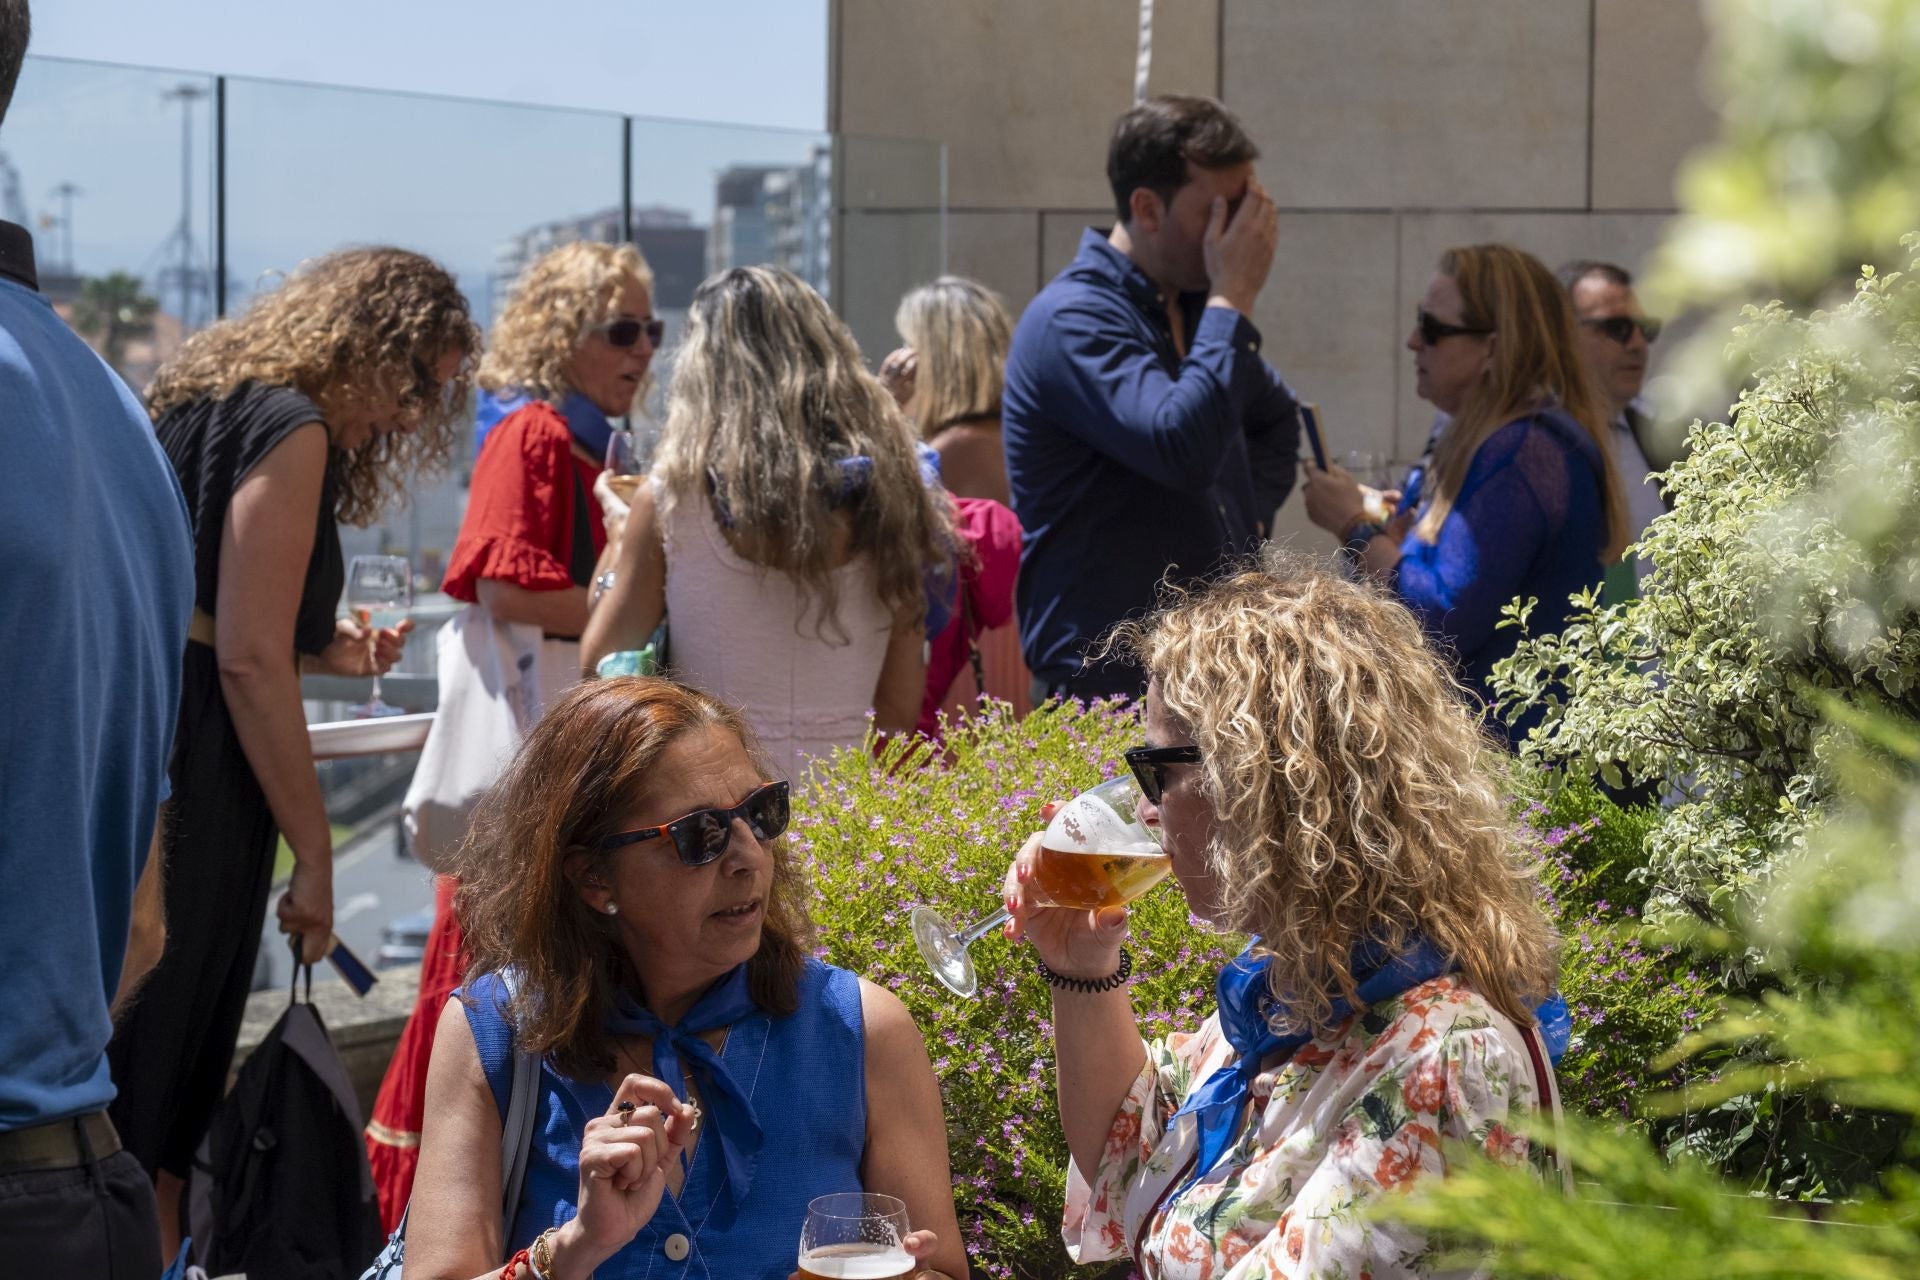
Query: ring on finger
[{"x": 626, "y": 1110}]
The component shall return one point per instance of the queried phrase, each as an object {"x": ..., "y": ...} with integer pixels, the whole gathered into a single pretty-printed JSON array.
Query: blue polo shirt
[
  {"x": 1129, "y": 463},
  {"x": 96, "y": 569}
]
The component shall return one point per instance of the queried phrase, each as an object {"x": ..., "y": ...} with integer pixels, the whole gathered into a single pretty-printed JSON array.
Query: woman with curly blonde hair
[
  {"x": 311, "y": 408},
  {"x": 787, "y": 533},
  {"x": 570, "y": 351},
  {"x": 1319, "y": 785}
]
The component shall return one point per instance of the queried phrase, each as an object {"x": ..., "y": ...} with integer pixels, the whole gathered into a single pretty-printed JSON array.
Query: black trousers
[{"x": 94, "y": 1221}]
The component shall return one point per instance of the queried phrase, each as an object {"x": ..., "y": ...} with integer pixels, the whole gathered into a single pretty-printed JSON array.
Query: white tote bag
[{"x": 496, "y": 680}]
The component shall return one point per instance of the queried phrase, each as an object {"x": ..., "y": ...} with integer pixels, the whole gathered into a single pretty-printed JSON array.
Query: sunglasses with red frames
[
  {"x": 1149, "y": 765},
  {"x": 624, "y": 333},
  {"x": 704, "y": 834}
]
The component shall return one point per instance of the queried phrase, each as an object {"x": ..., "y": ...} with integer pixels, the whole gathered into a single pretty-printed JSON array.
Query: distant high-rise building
[
  {"x": 778, "y": 215},
  {"x": 667, "y": 238}
]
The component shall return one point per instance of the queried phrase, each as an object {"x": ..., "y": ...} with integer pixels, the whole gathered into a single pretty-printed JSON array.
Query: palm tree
[{"x": 112, "y": 311}]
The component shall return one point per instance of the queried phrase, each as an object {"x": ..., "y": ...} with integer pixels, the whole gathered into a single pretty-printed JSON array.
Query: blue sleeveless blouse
[{"x": 806, "y": 1075}]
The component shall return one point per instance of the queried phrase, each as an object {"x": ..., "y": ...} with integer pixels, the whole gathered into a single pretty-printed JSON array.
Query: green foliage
[
  {"x": 1840, "y": 1035},
  {"x": 113, "y": 310},
  {"x": 1788, "y": 567}
]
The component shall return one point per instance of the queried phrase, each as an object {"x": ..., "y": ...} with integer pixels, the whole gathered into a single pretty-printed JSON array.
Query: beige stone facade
[{"x": 1389, "y": 129}]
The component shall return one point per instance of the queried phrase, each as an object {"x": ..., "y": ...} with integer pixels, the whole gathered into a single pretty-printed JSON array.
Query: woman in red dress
[{"x": 569, "y": 352}]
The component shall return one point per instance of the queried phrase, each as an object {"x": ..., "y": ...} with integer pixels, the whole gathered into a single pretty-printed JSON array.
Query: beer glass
[
  {"x": 1095, "y": 853},
  {"x": 855, "y": 1235}
]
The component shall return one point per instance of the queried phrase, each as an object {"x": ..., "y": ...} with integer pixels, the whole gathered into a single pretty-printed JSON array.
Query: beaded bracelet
[{"x": 1090, "y": 986}]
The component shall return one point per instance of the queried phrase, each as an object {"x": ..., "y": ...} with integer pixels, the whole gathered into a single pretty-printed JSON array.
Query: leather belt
[{"x": 63, "y": 1144}]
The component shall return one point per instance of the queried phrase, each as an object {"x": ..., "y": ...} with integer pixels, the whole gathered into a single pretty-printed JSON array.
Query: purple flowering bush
[{"x": 913, "y": 826}]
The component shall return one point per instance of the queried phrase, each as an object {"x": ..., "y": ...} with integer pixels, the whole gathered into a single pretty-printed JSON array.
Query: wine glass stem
[
  {"x": 373, "y": 652},
  {"x": 984, "y": 928}
]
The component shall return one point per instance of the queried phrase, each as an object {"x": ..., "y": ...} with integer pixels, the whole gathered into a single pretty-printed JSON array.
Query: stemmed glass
[
  {"x": 626, "y": 463},
  {"x": 855, "y": 1235},
  {"x": 1095, "y": 853},
  {"x": 379, "y": 595}
]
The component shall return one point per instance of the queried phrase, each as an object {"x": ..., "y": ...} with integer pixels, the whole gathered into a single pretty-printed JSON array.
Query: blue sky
[{"x": 312, "y": 168}]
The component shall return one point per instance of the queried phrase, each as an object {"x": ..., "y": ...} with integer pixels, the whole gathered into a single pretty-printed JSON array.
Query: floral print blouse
[{"x": 1355, "y": 1114}]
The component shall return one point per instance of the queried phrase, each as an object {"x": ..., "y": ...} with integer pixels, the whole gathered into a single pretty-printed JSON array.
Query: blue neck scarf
[
  {"x": 584, "y": 419},
  {"x": 730, "y": 1118},
  {"x": 1219, "y": 1104}
]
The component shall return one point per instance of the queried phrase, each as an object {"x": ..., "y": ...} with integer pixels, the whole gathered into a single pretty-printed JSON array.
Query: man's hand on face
[{"x": 1239, "y": 251}]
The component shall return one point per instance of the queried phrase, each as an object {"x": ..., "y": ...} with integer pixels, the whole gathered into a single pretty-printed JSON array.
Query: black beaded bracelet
[{"x": 1090, "y": 986}]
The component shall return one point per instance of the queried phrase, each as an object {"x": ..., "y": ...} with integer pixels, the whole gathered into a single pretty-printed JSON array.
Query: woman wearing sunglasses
[
  {"x": 703, "y": 1076},
  {"x": 786, "y": 533},
  {"x": 1319, "y": 786},
  {"x": 1519, "y": 498},
  {"x": 570, "y": 351}
]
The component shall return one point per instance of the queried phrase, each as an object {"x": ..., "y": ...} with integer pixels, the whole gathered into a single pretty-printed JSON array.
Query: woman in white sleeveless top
[{"x": 785, "y": 534}]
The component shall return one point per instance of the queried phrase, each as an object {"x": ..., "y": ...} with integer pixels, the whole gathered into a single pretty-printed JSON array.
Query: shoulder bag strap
[{"x": 1549, "y": 1101}]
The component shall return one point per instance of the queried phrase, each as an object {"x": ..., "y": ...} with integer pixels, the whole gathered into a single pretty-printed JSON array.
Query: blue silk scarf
[{"x": 584, "y": 419}]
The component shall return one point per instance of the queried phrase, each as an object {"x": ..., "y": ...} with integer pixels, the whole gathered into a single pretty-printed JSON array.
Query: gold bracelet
[{"x": 540, "y": 1255}]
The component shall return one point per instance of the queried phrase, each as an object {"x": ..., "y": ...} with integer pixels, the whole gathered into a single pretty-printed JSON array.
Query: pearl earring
[{"x": 613, "y": 908}]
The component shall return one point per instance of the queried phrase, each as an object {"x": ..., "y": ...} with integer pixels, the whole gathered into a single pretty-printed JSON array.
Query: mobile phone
[
  {"x": 1310, "y": 423},
  {"x": 351, "y": 967}
]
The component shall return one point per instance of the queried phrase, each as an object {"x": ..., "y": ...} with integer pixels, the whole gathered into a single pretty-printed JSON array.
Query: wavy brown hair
[
  {"x": 1536, "y": 360},
  {"x": 769, "y": 394},
  {"x": 582, "y": 768},
  {"x": 354, "y": 328},
  {"x": 1357, "y": 796},
  {"x": 960, "y": 333},
  {"x": 557, "y": 299}
]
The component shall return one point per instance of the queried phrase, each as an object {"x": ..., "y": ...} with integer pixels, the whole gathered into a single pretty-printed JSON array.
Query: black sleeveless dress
[{"x": 171, "y": 1050}]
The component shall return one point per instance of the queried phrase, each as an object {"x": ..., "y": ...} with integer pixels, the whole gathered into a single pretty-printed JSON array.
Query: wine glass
[
  {"x": 379, "y": 594},
  {"x": 1095, "y": 853},
  {"x": 855, "y": 1235},
  {"x": 626, "y": 463}
]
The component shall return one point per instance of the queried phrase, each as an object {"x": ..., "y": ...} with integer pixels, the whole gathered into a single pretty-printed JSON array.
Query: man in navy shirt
[
  {"x": 1145, "y": 436},
  {"x": 96, "y": 569}
]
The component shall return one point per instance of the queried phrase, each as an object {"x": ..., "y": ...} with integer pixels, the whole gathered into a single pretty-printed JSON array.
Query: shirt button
[{"x": 676, "y": 1248}]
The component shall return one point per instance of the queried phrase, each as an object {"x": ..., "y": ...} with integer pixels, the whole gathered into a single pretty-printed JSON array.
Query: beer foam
[
  {"x": 878, "y": 1264},
  {"x": 1089, "y": 824}
]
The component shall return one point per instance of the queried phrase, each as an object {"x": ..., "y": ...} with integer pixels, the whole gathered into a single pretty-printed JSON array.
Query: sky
[{"x": 311, "y": 168}]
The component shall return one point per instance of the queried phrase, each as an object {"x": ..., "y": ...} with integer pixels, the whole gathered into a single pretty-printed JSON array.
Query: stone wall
[{"x": 1390, "y": 129}]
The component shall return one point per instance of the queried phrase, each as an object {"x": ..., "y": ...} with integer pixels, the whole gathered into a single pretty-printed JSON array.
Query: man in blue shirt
[
  {"x": 1145, "y": 436},
  {"x": 96, "y": 568}
]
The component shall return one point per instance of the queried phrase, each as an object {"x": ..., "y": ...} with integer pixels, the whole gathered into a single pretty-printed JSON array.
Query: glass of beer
[
  {"x": 855, "y": 1235},
  {"x": 1095, "y": 853}
]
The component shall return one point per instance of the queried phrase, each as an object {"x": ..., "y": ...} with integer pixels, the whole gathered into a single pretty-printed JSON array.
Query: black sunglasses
[
  {"x": 1432, "y": 328},
  {"x": 1149, "y": 765},
  {"x": 704, "y": 834},
  {"x": 1621, "y": 328},
  {"x": 624, "y": 333}
]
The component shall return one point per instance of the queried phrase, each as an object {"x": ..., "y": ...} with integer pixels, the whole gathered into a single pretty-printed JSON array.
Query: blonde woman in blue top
[{"x": 629, "y": 870}]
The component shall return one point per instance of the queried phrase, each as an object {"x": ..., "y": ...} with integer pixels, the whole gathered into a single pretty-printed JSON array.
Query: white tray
[{"x": 373, "y": 737}]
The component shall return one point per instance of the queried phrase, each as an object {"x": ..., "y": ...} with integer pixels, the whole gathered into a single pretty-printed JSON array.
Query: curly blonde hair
[
  {"x": 557, "y": 299},
  {"x": 1356, "y": 795},
  {"x": 960, "y": 332},
  {"x": 769, "y": 395}
]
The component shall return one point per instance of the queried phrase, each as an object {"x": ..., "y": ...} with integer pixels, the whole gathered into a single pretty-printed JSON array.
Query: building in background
[
  {"x": 667, "y": 238},
  {"x": 777, "y": 215}
]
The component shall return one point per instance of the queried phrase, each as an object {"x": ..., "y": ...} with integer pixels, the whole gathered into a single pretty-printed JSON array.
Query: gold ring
[{"x": 626, "y": 1110}]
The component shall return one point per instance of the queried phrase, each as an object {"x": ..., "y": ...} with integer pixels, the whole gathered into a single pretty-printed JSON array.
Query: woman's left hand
[
  {"x": 919, "y": 1245},
  {"x": 1333, "y": 498},
  {"x": 358, "y": 650}
]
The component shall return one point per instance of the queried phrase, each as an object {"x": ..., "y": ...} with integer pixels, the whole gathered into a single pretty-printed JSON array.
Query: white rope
[{"x": 1145, "y": 62}]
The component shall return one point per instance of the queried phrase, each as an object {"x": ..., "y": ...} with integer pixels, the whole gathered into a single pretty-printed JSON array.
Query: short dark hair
[
  {"x": 15, "y": 27},
  {"x": 1579, "y": 269},
  {"x": 1153, "y": 143}
]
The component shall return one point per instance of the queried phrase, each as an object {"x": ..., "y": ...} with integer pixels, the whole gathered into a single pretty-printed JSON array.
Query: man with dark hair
[
  {"x": 1145, "y": 437},
  {"x": 98, "y": 577},
  {"x": 1615, "y": 337}
]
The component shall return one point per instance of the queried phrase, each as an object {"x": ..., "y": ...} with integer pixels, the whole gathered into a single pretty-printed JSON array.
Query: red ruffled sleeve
[{"x": 519, "y": 522}]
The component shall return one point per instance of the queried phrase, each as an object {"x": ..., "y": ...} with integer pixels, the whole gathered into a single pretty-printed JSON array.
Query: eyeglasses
[
  {"x": 624, "y": 333},
  {"x": 1432, "y": 328},
  {"x": 1149, "y": 765},
  {"x": 1621, "y": 328},
  {"x": 704, "y": 834}
]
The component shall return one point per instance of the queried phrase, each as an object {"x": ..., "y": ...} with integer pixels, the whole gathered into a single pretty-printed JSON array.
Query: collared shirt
[
  {"x": 1129, "y": 463},
  {"x": 98, "y": 576}
]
